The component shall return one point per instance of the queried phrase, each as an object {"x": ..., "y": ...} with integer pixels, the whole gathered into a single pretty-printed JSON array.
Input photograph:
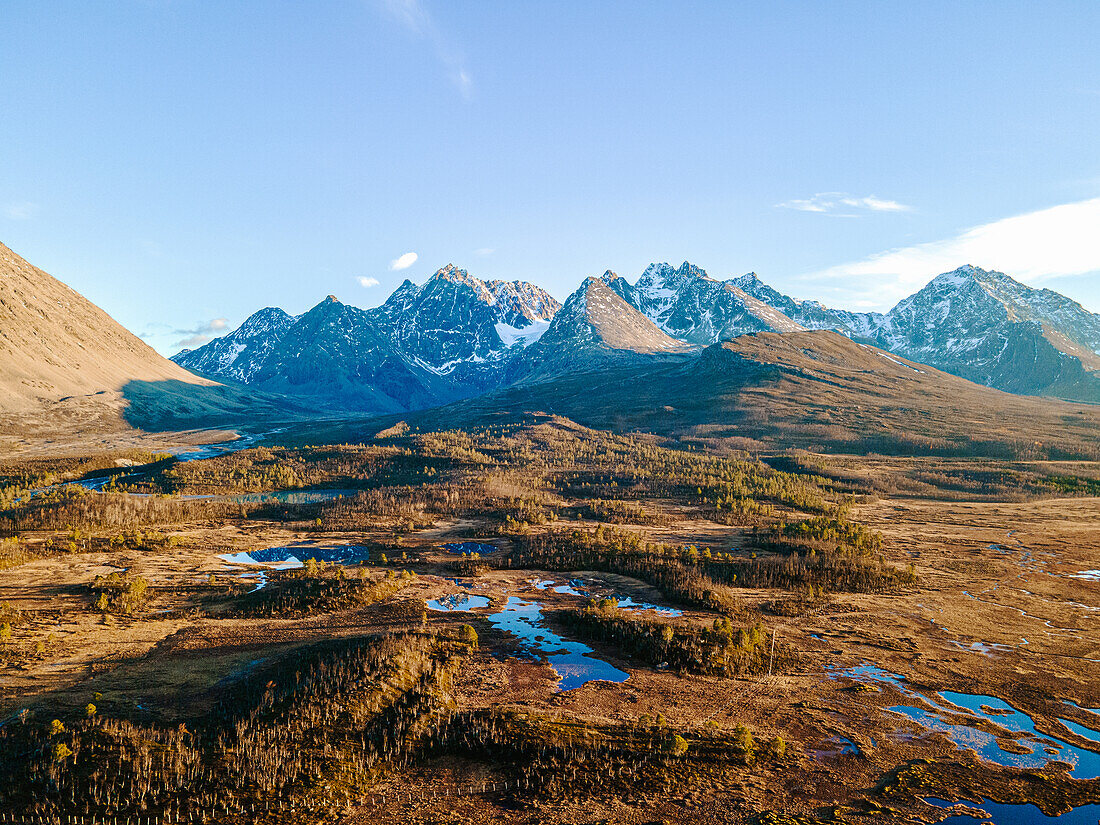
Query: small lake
[
  {"x": 984, "y": 648},
  {"x": 285, "y": 496},
  {"x": 458, "y": 602},
  {"x": 570, "y": 660},
  {"x": 295, "y": 555},
  {"x": 587, "y": 590},
  {"x": 836, "y": 746}
]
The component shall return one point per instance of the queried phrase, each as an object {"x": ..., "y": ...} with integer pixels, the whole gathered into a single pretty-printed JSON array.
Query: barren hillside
[{"x": 67, "y": 366}]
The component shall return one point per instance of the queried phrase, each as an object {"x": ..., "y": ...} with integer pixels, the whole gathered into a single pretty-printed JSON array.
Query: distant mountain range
[
  {"x": 729, "y": 363},
  {"x": 983, "y": 326},
  {"x": 452, "y": 337},
  {"x": 457, "y": 337}
]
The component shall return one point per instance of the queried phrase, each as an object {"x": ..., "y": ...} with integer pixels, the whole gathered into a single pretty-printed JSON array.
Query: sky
[{"x": 185, "y": 163}]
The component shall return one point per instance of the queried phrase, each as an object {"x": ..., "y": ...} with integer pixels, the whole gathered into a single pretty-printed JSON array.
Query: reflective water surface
[{"x": 570, "y": 660}]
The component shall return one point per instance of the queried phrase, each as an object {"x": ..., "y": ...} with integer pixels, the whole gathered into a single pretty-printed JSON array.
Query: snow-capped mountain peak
[
  {"x": 688, "y": 304},
  {"x": 456, "y": 335},
  {"x": 240, "y": 354},
  {"x": 977, "y": 323}
]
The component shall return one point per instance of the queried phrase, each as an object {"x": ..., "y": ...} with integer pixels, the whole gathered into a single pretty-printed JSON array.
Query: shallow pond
[
  {"x": 1024, "y": 814},
  {"x": 295, "y": 555},
  {"x": 584, "y": 590},
  {"x": 468, "y": 548},
  {"x": 570, "y": 660},
  {"x": 984, "y": 648},
  {"x": 292, "y": 557},
  {"x": 285, "y": 496},
  {"x": 286, "y": 562},
  {"x": 836, "y": 746},
  {"x": 1081, "y": 730},
  {"x": 458, "y": 602},
  {"x": 574, "y": 588},
  {"x": 933, "y": 716}
]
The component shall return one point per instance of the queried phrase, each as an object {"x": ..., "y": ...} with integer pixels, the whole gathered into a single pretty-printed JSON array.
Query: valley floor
[{"x": 964, "y": 672}]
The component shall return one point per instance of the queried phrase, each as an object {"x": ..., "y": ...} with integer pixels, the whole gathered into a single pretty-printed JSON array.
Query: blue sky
[{"x": 185, "y": 163}]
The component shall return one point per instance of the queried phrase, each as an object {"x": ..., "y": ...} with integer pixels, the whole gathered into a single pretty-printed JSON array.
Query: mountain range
[
  {"x": 457, "y": 350},
  {"x": 983, "y": 326},
  {"x": 456, "y": 336},
  {"x": 452, "y": 337}
]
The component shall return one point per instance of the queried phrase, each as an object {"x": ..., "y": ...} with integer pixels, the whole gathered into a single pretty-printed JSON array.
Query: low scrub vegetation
[
  {"x": 318, "y": 588},
  {"x": 719, "y": 650},
  {"x": 122, "y": 593}
]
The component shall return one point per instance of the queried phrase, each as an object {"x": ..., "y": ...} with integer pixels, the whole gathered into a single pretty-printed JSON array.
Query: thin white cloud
[
  {"x": 1062, "y": 241},
  {"x": 485, "y": 250},
  {"x": 461, "y": 78},
  {"x": 413, "y": 16},
  {"x": 21, "y": 211},
  {"x": 403, "y": 262},
  {"x": 202, "y": 334},
  {"x": 841, "y": 204},
  {"x": 408, "y": 13},
  {"x": 367, "y": 281}
]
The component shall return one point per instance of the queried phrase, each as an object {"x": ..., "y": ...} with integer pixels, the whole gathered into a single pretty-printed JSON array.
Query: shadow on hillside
[{"x": 175, "y": 405}]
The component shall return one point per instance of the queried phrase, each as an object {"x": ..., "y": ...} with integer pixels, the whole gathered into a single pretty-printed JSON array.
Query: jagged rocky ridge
[
  {"x": 981, "y": 325},
  {"x": 688, "y": 304},
  {"x": 594, "y": 328},
  {"x": 457, "y": 337},
  {"x": 452, "y": 337},
  {"x": 240, "y": 354}
]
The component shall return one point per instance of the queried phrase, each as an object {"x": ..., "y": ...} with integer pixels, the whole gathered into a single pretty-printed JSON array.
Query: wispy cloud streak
[
  {"x": 21, "y": 211},
  {"x": 202, "y": 334},
  {"x": 841, "y": 204},
  {"x": 413, "y": 16},
  {"x": 1061, "y": 241}
]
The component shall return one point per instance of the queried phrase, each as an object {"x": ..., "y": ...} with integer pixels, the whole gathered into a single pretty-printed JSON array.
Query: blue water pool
[
  {"x": 936, "y": 716},
  {"x": 458, "y": 602},
  {"x": 467, "y": 548},
  {"x": 1024, "y": 814},
  {"x": 570, "y": 660},
  {"x": 295, "y": 555}
]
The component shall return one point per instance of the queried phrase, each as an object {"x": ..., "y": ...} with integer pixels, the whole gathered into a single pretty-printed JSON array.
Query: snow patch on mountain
[{"x": 510, "y": 336}]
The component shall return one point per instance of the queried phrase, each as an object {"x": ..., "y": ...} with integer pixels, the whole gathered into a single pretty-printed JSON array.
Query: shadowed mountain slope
[
  {"x": 336, "y": 355},
  {"x": 817, "y": 390},
  {"x": 452, "y": 337}
]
